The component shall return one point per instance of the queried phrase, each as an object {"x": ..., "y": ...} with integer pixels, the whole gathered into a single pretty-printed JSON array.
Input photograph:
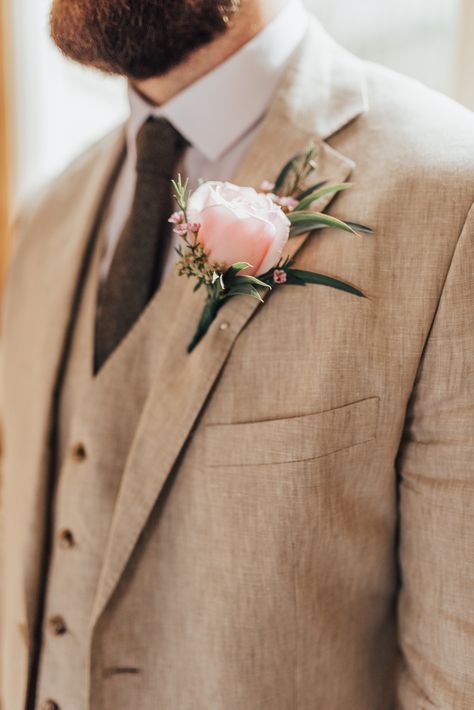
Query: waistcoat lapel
[{"x": 322, "y": 92}]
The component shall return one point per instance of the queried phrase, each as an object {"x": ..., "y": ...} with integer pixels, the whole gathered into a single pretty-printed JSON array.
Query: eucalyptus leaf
[
  {"x": 309, "y": 199},
  {"x": 311, "y": 277}
]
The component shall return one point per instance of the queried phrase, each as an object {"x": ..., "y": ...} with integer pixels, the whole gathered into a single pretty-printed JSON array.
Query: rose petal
[
  {"x": 228, "y": 239},
  {"x": 239, "y": 224}
]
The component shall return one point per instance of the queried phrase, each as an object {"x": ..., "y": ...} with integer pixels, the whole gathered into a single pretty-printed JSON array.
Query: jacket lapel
[
  {"x": 56, "y": 265},
  {"x": 321, "y": 93}
]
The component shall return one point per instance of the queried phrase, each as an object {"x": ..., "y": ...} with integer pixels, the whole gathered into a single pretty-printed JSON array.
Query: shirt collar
[{"x": 218, "y": 109}]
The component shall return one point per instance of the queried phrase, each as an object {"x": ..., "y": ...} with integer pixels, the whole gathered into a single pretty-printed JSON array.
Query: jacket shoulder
[
  {"x": 420, "y": 128},
  {"x": 61, "y": 191}
]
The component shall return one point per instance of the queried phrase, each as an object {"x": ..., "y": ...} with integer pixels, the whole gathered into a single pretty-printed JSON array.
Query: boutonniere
[{"x": 234, "y": 237}]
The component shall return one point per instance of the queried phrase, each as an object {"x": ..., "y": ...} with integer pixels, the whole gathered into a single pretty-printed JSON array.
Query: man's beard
[{"x": 137, "y": 38}]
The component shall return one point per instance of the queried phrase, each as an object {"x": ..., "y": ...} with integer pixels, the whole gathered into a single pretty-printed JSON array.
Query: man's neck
[{"x": 252, "y": 17}]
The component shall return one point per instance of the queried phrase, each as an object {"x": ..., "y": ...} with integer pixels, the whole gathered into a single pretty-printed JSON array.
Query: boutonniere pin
[{"x": 234, "y": 237}]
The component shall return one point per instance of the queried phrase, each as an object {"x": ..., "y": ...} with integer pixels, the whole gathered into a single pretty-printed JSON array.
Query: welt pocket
[{"x": 299, "y": 438}]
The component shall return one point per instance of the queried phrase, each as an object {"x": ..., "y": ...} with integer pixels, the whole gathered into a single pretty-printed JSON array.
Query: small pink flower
[
  {"x": 176, "y": 218},
  {"x": 194, "y": 227},
  {"x": 279, "y": 276},
  {"x": 267, "y": 186},
  {"x": 181, "y": 229},
  {"x": 288, "y": 203}
]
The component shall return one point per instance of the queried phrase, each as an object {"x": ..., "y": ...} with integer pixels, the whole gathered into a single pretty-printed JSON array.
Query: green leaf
[
  {"x": 239, "y": 266},
  {"x": 306, "y": 221},
  {"x": 293, "y": 279},
  {"x": 307, "y": 201},
  {"x": 251, "y": 280},
  {"x": 244, "y": 290},
  {"x": 290, "y": 165},
  {"x": 232, "y": 272},
  {"x": 311, "y": 189},
  {"x": 360, "y": 228},
  {"x": 181, "y": 192},
  {"x": 311, "y": 277},
  {"x": 302, "y": 229},
  {"x": 210, "y": 311},
  {"x": 197, "y": 286}
]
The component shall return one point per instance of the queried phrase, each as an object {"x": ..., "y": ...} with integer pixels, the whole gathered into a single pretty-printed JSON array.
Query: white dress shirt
[{"x": 218, "y": 115}]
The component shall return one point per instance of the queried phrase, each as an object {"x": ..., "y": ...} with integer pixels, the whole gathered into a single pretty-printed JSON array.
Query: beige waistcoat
[
  {"x": 294, "y": 525},
  {"x": 68, "y": 595},
  {"x": 63, "y": 662}
]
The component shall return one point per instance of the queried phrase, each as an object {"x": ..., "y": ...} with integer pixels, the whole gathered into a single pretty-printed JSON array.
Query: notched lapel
[{"x": 184, "y": 382}]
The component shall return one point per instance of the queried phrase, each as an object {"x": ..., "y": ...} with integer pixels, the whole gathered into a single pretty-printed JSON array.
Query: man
[{"x": 284, "y": 518}]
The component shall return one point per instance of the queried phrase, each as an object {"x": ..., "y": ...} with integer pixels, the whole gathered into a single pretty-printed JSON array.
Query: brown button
[
  {"x": 66, "y": 539},
  {"x": 57, "y": 625},
  {"x": 79, "y": 452},
  {"x": 50, "y": 705}
]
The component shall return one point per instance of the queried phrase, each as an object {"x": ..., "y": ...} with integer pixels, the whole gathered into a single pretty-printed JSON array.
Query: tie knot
[{"x": 159, "y": 146}]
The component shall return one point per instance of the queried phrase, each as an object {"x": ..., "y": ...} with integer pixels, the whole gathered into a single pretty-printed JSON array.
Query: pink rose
[{"x": 239, "y": 224}]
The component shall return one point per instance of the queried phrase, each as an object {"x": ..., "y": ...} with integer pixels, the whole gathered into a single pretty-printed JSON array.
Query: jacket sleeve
[
  {"x": 436, "y": 484},
  {"x": 15, "y": 230}
]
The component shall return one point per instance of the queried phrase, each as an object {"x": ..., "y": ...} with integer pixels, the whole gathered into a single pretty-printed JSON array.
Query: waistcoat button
[
  {"x": 50, "y": 705},
  {"x": 57, "y": 625},
  {"x": 79, "y": 453},
  {"x": 66, "y": 539}
]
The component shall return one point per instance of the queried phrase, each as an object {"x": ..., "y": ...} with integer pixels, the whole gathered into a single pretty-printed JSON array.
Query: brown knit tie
[{"x": 137, "y": 266}]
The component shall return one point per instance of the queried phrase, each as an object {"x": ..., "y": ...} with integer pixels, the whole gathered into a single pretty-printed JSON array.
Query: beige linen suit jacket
[{"x": 294, "y": 528}]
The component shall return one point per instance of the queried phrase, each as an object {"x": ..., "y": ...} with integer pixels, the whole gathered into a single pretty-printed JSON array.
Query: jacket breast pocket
[{"x": 293, "y": 439}]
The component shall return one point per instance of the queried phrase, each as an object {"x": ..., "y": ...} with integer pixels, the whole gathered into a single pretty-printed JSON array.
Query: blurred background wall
[{"x": 54, "y": 109}]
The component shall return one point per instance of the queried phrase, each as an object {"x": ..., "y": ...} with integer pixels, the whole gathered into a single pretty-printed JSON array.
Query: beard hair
[{"x": 137, "y": 38}]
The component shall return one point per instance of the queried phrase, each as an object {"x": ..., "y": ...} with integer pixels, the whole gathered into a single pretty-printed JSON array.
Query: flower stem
[{"x": 209, "y": 313}]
